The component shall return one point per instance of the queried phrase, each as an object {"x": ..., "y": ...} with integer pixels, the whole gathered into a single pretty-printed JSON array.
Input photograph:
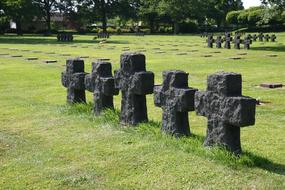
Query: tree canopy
[{"x": 174, "y": 14}]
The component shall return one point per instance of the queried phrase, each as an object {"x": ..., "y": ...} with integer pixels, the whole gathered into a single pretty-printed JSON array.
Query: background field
[{"x": 45, "y": 144}]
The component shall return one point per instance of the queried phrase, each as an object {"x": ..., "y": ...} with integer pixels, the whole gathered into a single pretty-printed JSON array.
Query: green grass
[{"x": 46, "y": 144}]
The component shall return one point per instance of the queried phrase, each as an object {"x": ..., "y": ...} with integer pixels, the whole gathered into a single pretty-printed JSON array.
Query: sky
[{"x": 251, "y": 3}]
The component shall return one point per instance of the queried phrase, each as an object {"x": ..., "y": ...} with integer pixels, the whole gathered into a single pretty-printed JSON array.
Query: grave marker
[
  {"x": 271, "y": 85},
  {"x": 210, "y": 41},
  {"x": 135, "y": 83},
  {"x": 260, "y": 37},
  {"x": 101, "y": 83},
  {"x": 219, "y": 42},
  {"x": 226, "y": 109},
  {"x": 176, "y": 99},
  {"x": 228, "y": 40},
  {"x": 267, "y": 37},
  {"x": 237, "y": 41},
  {"x": 273, "y": 38},
  {"x": 73, "y": 80}
]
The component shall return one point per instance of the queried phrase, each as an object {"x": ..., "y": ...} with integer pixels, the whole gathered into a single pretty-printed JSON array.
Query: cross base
[{"x": 219, "y": 133}]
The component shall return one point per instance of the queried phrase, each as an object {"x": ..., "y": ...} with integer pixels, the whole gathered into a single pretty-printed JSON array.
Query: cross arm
[
  {"x": 89, "y": 83},
  {"x": 75, "y": 80},
  {"x": 203, "y": 103},
  {"x": 239, "y": 111},
  {"x": 108, "y": 86},
  {"x": 185, "y": 99},
  {"x": 142, "y": 83},
  {"x": 158, "y": 95},
  {"x": 65, "y": 79},
  {"x": 118, "y": 79}
]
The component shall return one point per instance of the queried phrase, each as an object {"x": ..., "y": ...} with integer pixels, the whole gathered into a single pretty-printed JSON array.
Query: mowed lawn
[{"x": 46, "y": 144}]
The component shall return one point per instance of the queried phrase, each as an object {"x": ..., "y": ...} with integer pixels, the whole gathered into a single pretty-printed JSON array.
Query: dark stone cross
[
  {"x": 254, "y": 37},
  {"x": 273, "y": 38},
  {"x": 249, "y": 36},
  {"x": 219, "y": 42},
  {"x": 267, "y": 37},
  {"x": 176, "y": 99},
  {"x": 226, "y": 109},
  {"x": 135, "y": 83},
  {"x": 246, "y": 42},
  {"x": 210, "y": 41},
  {"x": 237, "y": 41},
  {"x": 260, "y": 37},
  {"x": 73, "y": 80},
  {"x": 228, "y": 40},
  {"x": 102, "y": 84}
]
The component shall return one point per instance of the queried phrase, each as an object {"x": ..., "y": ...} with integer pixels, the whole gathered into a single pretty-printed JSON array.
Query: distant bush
[{"x": 188, "y": 27}]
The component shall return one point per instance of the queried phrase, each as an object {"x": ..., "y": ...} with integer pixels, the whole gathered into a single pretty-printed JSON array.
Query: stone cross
[
  {"x": 260, "y": 37},
  {"x": 237, "y": 41},
  {"x": 176, "y": 99},
  {"x": 226, "y": 109},
  {"x": 228, "y": 40},
  {"x": 267, "y": 37},
  {"x": 219, "y": 42},
  {"x": 210, "y": 41},
  {"x": 102, "y": 84},
  {"x": 247, "y": 42},
  {"x": 254, "y": 37},
  {"x": 273, "y": 38},
  {"x": 135, "y": 83},
  {"x": 249, "y": 36},
  {"x": 73, "y": 80}
]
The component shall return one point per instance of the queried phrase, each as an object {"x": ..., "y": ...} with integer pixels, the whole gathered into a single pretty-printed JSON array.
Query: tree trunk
[
  {"x": 151, "y": 25},
  {"x": 104, "y": 16},
  {"x": 19, "y": 27},
  {"x": 48, "y": 22},
  {"x": 175, "y": 27}
]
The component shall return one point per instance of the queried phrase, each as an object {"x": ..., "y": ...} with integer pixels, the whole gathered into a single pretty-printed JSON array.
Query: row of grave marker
[
  {"x": 247, "y": 41},
  {"x": 223, "y": 104}
]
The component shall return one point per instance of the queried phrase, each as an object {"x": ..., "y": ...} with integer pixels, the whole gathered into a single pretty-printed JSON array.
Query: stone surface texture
[
  {"x": 176, "y": 99},
  {"x": 226, "y": 109},
  {"x": 135, "y": 83},
  {"x": 102, "y": 84},
  {"x": 73, "y": 80}
]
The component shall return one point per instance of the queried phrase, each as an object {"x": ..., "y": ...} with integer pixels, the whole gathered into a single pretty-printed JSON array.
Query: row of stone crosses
[
  {"x": 222, "y": 103},
  {"x": 247, "y": 41}
]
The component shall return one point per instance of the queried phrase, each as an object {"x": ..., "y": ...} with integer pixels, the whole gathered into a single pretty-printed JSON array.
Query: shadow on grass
[
  {"x": 265, "y": 164},
  {"x": 49, "y": 40},
  {"x": 280, "y": 48},
  {"x": 192, "y": 144}
]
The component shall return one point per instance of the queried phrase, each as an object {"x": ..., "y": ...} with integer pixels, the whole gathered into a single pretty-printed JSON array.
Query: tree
[
  {"x": 278, "y": 3},
  {"x": 232, "y": 17},
  {"x": 46, "y": 7},
  {"x": 18, "y": 11},
  {"x": 148, "y": 11},
  {"x": 179, "y": 11},
  {"x": 218, "y": 9}
]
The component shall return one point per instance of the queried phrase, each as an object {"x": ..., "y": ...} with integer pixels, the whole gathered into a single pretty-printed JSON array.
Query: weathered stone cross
[
  {"x": 260, "y": 37},
  {"x": 246, "y": 42},
  {"x": 226, "y": 109},
  {"x": 73, "y": 80},
  {"x": 237, "y": 41},
  {"x": 135, "y": 83},
  {"x": 228, "y": 40},
  {"x": 219, "y": 42},
  {"x": 210, "y": 41},
  {"x": 102, "y": 84},
  {"x": 176, "y": 99},
  {"x": 267, "y": 37},
  {"x": 254, "y": 37},
  {"x": 273, "y": 38}
]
